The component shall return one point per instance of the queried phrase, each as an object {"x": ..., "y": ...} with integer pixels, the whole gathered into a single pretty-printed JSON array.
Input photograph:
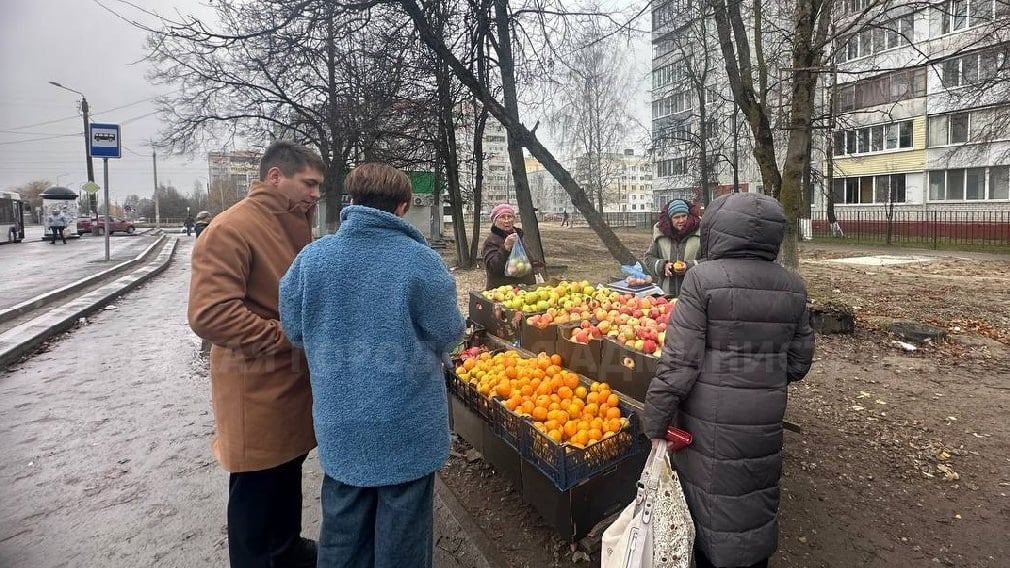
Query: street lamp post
[{"x": 87, "y": 125}]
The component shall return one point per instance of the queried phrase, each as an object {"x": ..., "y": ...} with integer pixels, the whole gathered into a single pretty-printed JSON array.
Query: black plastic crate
[
  {"x": 568, "y": 466},
  {"x": 507, "y": 424}
]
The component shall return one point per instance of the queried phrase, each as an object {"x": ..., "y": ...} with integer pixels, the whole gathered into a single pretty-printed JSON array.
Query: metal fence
[
  {"x": 929, "y": 229},
  {"x": 636, "y": 219}
]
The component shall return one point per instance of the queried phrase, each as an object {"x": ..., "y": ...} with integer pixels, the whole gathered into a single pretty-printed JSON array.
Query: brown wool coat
[{"x": 259, "y": 381}]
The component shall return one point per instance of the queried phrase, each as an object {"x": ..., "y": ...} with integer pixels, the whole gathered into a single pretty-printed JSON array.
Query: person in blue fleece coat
[{"x": 374, "y": 308}]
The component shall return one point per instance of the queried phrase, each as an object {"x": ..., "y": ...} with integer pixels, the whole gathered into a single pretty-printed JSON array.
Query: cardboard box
[
  {"x": 626, "y": 370},
  {"x": 535, "y": 339}
]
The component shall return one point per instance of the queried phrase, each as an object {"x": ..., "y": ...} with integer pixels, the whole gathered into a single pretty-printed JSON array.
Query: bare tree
[
  {"x": 519, "y": 134},
  {"x": 742, "y": 44},
  {"x": 332, "y": 76},
  {"x": 591, "y": 117}
]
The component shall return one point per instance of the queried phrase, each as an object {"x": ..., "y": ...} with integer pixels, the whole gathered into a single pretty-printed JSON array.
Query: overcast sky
[{"x": 82, "y": 45}]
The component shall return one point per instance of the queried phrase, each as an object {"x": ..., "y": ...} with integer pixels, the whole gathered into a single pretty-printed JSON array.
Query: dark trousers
[
  {"x": 702, "y": 561},
  {"x": 264, "y": 514},
  {"x": 57, "y": 234},
  {"x": 380, "y": 527}
]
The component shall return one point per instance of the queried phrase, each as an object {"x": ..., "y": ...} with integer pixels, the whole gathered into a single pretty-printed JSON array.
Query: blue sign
[{"x": 103, "y": 140}]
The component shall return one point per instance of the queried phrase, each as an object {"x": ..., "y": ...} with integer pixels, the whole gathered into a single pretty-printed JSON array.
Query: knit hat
[
  {"x": 677, "y": 206},
  {"x": 501, "y": 209}
]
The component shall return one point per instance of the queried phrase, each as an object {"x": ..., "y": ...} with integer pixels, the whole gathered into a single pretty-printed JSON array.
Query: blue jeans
[{"x": 384, "y": 527}]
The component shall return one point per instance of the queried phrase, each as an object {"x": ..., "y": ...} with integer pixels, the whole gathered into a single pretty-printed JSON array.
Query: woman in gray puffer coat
[{"x": 740, "y": 333}]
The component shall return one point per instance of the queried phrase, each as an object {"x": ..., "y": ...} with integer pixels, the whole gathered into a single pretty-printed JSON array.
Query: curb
[
  {"x": 24, "y": 338},
  {"x": 485, "y": 548},
  {"x": 53, "y": 295}
]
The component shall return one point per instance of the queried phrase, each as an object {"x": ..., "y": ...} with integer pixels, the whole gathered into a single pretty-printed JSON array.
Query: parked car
[{"x": 96, "y": 226}]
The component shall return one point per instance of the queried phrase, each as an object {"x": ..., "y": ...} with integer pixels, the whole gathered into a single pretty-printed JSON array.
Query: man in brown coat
[{"x": 259, "y": 381}]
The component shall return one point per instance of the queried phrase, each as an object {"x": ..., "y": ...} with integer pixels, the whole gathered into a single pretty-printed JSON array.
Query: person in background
[
  {"x": 675, "y": 244},
  {"x": 188, "y": 223},
  {"x": 259, "y": 381},
  {"x": 380, "y": 404},
  {"x": 498, "y": 247},
  {"x": 739, "y": 335},
  {"x": 202, "y": 220},
  {"x": 57, "y": 224},
  {"x": 566, "y": 219}
]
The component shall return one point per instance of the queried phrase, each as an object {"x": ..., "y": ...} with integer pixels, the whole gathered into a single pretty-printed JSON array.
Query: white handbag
[{"x": 656, "y": 530}]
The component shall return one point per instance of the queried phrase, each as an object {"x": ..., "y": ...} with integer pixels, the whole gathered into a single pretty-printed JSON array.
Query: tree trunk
[
  {"x": 478, "y": 177},
  {"x": 506, "y": 64},
  {"x": 447, "y": 147},
  {"x": 523, "y": 136}
]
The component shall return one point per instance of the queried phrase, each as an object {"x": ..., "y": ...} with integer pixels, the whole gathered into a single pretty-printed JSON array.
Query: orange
[
  {"x": 555, "y": 435},
  {"x": 613, "y": 412},
  {"x": 539, "y": 413},
  {"x": 604, "y": 394},
  {"x": 556, "y": 359},
  {"x": 613, "y": 425},
  {"x": 594, "y": 386},
  {"x": 504, "y": 389},
  {"x": 527, "y": 407},
  {"x": 565, "y": 392},
  {"x": 526, "y": 390},
  {"x": 604, "y": 386},
  {"x": 571, "y": 379},
  {"x": 580, "y": 391},
  {"x": 551, "y": 424},
  {"x": 594, "y": 435},
  {"x": 593, "y": 397},
  {"x": 590, "y": 409},
  {"x": 580, "y": 439},
  {"x": 613, "y": 400},
  {"x": 469, "y": 364},
  {"x": 570, "y": 428},
  {"x": 543, "y": 400},
  {"x": 511, "y": 404},
  {"x": 554, "y": 406}
]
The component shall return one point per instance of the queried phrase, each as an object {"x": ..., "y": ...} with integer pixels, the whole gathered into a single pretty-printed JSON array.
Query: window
[
  {"x": 883, "y": 89},
  {"x": 959, "y": 128},
  {"x": 956, "y": 15},
  {"x": 869, "y": 189},
  {"x": 974, "y": 183},
  {"x": 971, "y": 68},
  {"x": 671, "y": 167},
  {"x": 874, "y": 138},
  {"x": 999, "y": 182},
  {"x": 876, "y": 38}
]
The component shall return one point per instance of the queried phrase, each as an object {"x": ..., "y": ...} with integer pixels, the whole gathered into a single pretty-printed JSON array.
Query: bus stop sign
[{"x": 103, "y": 140}]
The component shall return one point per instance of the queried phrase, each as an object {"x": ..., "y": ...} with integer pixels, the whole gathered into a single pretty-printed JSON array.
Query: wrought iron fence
[{"x": 930, "y": 229}]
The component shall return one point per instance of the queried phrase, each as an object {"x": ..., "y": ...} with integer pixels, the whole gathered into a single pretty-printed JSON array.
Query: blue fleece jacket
[{"x": 374, "y": 308}]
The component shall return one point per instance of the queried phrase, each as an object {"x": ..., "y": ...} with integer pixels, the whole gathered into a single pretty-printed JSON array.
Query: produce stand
[{"x": 572, "y": 487}]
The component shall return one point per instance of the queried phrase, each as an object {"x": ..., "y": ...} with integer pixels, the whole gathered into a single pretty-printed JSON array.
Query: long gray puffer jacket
[{"x": 739, "y": 334}]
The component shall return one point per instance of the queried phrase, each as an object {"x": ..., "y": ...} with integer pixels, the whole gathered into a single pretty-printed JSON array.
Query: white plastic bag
[
  {"x": 518, "y": 264},
  {"x": 656, "y": 530}
]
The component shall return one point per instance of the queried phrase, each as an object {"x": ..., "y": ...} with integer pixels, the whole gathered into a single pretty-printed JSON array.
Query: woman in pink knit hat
[{"x": 498, "y": 247}]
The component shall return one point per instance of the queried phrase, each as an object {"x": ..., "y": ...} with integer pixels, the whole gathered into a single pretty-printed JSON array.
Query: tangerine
[
  {"x": 556, "y": 359},
  {"x": 613, "y": 400}
]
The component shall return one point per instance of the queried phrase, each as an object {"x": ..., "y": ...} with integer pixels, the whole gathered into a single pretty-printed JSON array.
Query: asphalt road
[
  {"x": 105, "y": 444},
  {"x": 34, "y": 266}
]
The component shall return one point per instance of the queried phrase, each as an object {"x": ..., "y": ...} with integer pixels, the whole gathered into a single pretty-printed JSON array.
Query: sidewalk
[{"x": 458, "y": 541}]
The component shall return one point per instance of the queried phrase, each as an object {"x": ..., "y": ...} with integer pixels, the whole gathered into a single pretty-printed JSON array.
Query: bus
[{"x": 12, "y": 217}]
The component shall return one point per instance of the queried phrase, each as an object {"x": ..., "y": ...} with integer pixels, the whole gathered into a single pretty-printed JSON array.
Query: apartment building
[
  {"x": 686, "y": 125},
  {"x": 237, "y": 168},
  {"x": 921, "y": 106},
  {"x": 497, "y": 186}
]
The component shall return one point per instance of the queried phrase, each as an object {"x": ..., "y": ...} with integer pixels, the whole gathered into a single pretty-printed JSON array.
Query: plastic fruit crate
[
  {"x": 508, "y": 425},
  {"x": 568, "y": 466}
]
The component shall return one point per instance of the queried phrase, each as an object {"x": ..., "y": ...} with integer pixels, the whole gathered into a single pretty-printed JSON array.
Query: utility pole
[
  {"x": 92, "y": 199},
  {"x": 157, "y": 206}
]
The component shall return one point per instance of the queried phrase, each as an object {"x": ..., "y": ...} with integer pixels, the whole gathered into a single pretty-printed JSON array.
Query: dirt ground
[{"x": 903, "y": 456}]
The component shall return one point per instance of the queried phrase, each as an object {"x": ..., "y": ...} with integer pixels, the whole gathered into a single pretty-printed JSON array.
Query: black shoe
[{"x": 301, "y": 554}]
